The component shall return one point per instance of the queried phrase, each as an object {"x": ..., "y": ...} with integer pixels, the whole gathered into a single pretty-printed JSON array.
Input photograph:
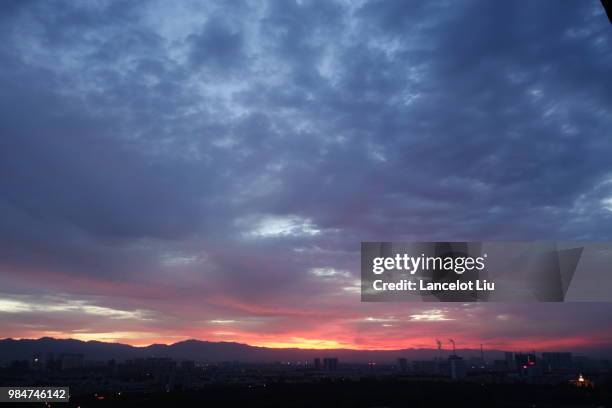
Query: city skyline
[{"x": 208, "y": 171}]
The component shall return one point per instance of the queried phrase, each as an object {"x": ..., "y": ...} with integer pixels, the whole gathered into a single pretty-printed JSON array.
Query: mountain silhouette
[{"x": 24, "y": 349}]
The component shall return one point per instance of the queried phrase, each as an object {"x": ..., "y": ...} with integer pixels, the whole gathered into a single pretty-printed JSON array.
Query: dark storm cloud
[
  {"x": 217, "y": 46},
  {"x": 230, "y": 156}
]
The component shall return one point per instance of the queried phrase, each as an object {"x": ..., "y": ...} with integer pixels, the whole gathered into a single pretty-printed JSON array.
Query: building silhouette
[
  {"x": 71, "y": 361},
  {"x": 402, "y": 363},
  {"x": 457, "y": 367},
  {"x": 557, "y": 361},
  {"x": 330, "y": 364}
]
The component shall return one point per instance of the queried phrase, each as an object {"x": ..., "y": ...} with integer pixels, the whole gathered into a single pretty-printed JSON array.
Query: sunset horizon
[
  {"x": 602, "y": 348},
  {"x": 537, "y": 344},
  {"x": 306, "y": 174}
]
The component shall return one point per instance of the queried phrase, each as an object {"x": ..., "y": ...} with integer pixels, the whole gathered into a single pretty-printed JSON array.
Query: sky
[{"x": 176, "y": 170}]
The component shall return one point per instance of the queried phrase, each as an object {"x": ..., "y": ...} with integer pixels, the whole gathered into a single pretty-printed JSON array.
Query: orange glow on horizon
[{"x": 143, "y": 339}]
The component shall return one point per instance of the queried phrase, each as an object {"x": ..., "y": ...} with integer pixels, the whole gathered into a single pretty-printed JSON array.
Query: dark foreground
[{"x": 360, "y": 394}]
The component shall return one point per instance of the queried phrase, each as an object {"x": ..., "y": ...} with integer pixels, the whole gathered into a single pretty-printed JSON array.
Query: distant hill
[{"x": 209, "y": 351}]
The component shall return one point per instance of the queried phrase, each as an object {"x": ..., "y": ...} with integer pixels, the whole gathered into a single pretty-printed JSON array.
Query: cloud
[
  {"x": 433, "y": 315},
  {"x": 275, "y": 226},
  {"x": 217, "y": 46},
  {"x": 60, "y": 305},
  {"x": 329, "y": 272},
  {"x": 226, "y": 159}
]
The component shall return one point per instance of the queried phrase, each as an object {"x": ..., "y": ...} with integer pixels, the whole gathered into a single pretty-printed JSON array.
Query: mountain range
[{"x": 24, "y": 349}]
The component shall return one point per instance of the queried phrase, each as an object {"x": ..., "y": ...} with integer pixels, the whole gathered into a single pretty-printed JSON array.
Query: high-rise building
[
  {"x": 524, "y": 360},
  {"x": 69, "y": 361},
  {"x": 457, "y": 367},
  {"x": 330, "y": 364},
  {"x": 557, "y": 361},
  {"x": 402, "y": 363},
  {"x": 510, "y": 362},
  {"x": 527, "y": 365},
  {"x": 317, "y": 363}
]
